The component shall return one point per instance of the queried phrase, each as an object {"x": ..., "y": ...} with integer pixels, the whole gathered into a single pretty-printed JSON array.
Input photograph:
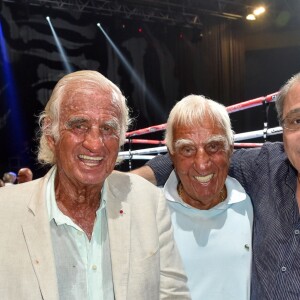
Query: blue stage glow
[
  {"x": 15, "y": 122},
  {"x": 61, "y": 51}
]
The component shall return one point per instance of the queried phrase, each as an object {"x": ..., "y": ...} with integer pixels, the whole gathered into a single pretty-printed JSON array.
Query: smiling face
[
  {"x": 201, "y": 160},
  {"x": 291, "y": 138},
  {"x": 88, "y": 143}
]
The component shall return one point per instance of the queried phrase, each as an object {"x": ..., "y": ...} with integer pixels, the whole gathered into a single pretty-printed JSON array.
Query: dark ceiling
[{"x": 189, "y": 12}]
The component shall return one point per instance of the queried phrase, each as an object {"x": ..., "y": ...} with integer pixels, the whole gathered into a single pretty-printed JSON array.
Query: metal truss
[{"x": 173, "y": 12}]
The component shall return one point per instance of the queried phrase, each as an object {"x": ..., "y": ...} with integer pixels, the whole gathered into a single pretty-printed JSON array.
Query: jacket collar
[{"x": 36, "y": 230}]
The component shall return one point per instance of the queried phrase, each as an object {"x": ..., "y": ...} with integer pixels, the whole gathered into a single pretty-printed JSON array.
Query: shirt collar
[
  {"x": 235, "y": 192},
  {"x": 55, "y": 213}
]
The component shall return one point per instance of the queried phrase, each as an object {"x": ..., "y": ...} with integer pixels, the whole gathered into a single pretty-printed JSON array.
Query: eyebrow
[
  {"x": 188, "y": 142},
  {"x": 112, "y": 123},
  {"x": 75, "y": 120},
  {"x": 183, "y": 142},
  {"x": 216, "y": 138},
  {"x": 293, "y": 111}
]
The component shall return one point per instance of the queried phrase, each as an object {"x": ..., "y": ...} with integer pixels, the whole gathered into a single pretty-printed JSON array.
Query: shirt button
[
  {"x": 94, "y": 267},
  {"x": 297, "y": 231},
  {"x": 79, "y": 233},
  {"x": 283, "y": 269}
]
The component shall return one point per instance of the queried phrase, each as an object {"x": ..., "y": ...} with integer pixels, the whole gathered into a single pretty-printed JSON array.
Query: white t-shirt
[{"x": 215, "y": 244}]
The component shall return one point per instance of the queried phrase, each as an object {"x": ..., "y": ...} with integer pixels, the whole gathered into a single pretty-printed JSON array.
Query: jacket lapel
[
  {"x": 118, "y": 215},
  {"x": 36, "y": 230}
]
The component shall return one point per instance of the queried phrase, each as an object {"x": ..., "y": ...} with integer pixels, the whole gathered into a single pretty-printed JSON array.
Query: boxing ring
[{"x": 158, "y": 146}]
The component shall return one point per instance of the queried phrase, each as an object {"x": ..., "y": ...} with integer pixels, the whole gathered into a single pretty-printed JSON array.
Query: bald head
[{"x": 24, "y": 175}]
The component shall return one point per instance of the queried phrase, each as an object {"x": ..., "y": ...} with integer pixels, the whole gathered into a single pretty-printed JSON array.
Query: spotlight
[
  {"x": 251, "y": 17},
  {"x": 256, "y": 12},
  {"x": 48, "y": 18},
  {"x": 140, "y": 30},
  {"x": 259, "y": 10}
]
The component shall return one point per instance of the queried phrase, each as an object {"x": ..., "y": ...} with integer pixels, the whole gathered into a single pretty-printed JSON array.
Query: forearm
[
  {"x": 146, "y": 172},
  {"x": 161, "y": 167}
]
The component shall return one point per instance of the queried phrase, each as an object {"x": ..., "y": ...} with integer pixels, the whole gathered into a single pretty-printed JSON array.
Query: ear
[
  {"x": 171, "y": 155},
  {"x": 47, "y": 125},
  {"x": 51, "y": 142},
  {"x": 230, "y": 150}
]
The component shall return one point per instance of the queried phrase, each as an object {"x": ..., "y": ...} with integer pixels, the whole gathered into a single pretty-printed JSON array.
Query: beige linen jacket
[{"x": 145, "y": 260}]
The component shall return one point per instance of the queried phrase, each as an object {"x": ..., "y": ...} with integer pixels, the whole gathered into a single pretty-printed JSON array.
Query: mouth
[
  {"x": 90, "y": 161},
  {"x": 204, "y": 179}
]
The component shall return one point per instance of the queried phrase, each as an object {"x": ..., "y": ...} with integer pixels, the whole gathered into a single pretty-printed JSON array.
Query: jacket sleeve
[{"x": 173, "y": 281}]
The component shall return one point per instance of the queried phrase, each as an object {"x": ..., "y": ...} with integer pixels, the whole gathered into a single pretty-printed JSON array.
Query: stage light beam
[
  {"x": 61, "y": 50},
  {"x": 133, "y": 73}
]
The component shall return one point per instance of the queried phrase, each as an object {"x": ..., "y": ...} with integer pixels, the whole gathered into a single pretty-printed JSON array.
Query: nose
[
  {"x": 93, "y": 140},
  {"x": 201, "y": 160}
]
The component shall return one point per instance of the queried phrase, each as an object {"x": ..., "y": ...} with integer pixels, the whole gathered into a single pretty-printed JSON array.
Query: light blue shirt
[
  {"x": 83, "y": 266},
  {"x": 215, "y": 244}
]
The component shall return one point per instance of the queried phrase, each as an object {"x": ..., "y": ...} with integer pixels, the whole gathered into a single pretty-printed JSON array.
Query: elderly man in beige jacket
[{"x": 85, "y": 231}]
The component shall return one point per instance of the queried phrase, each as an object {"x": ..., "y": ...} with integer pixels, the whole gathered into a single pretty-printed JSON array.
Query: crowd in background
[{"x": 11, "y": 178}]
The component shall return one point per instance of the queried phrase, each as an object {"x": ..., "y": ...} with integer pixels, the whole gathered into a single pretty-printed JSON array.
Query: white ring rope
[
  {"x": 145, "y": 154},
  {"x": 237, "y": 137}
]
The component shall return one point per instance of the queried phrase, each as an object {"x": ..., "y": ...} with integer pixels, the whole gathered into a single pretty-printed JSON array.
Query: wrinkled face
[
  {"x": 201, "y": 159},
  {"x": 291, "y": 138},
  {"x": 88, "y": 145}
]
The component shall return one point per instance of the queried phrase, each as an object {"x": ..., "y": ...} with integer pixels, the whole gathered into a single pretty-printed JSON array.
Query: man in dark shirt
[{"x": 271, "y": 176}]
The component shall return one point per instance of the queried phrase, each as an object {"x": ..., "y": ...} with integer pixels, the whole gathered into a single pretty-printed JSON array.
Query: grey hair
[
  {"x": 191, "y": 111},
  {"x": 279, "y": 104},
  {"x": 9, "y": 177},
  {"x": 49, "y": 118}
]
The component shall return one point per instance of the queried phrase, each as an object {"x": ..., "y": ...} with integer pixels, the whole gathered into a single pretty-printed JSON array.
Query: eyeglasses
[{"x": 291, "y": 122}]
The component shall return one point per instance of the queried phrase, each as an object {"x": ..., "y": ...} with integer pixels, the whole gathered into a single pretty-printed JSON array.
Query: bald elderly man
[{"x": 24, "y": 175}]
